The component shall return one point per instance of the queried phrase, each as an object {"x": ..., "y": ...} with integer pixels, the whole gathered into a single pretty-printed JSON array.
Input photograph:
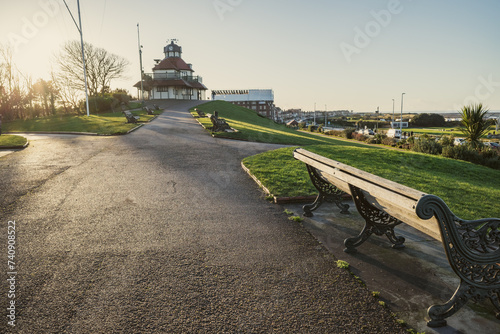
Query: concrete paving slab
[{"x": 409, "y": 280}]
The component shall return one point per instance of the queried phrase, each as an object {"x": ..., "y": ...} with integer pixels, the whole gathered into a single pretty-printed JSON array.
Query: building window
[{"x": 162, "y": 89}]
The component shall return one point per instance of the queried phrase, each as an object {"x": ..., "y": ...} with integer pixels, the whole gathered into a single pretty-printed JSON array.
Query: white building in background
[
  {"x": 397, "y": 124},
  {"x": 173, "y": 78},
  {"x": 259, "y": 100}
]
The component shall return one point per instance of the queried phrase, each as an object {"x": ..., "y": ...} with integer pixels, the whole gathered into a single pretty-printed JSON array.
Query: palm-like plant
[{"x": 474, "y": 124}]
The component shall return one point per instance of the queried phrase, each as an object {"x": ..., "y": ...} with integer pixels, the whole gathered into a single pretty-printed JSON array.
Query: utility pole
[
  {"x": 79, "y": 27},
  {"x": 140, "y": 61}
]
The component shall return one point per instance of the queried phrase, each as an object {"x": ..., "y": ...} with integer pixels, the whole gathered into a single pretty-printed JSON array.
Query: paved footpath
[{"x": 161, "y": 231}]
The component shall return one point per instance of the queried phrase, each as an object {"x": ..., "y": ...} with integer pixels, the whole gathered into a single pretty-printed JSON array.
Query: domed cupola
[{"x": 172, "y": 50}]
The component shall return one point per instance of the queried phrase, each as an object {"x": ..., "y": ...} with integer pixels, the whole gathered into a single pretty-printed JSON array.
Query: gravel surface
[{"x": 161, "y": 231}]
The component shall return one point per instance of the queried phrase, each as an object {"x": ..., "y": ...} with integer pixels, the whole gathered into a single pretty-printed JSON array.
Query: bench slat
[
  {"x": 397, "y": 200},
  {"x": 407, "y": 191}
]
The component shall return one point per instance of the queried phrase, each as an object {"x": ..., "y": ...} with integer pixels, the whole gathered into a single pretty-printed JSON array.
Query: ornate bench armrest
[{"x": 473, "y": 251}]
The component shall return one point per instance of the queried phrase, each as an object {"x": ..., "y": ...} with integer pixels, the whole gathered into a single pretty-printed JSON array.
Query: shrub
[
  {"x": 121, "y": 97},
  {"x": 302, "y": 125},
  {"x": 336, "y": 133},
  {"x": 446, "y": 141},
  {"x": 428, "y": 146},
  {"x": 460, "y": 152},
  {"x": 348, "y": 133},
  {"x": 488, "y": 153},
  {"x": 467, "y": 153},
  {"x": 428, "y": 120},
  {"x": 359, "y": 136},
  {"x": 310, "y": 128},
  {"x": 378, "y": 138},
  {"x": 492, "y": 163},
  {"x": 389, "y": 141},
  {"x": 99, "y": 104}
]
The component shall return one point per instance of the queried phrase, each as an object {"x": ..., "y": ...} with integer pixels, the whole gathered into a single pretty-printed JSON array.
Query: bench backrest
[{"x": 397, "y": 200}]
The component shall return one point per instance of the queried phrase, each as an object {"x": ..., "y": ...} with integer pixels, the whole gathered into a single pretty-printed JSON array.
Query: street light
[
  {"x": 401, "y": 120},
  {"x": 140, "y": 61},
  {"x": 393, "y": 120}
]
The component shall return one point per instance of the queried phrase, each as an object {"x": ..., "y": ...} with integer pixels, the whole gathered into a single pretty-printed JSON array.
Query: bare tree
[
  {"x": 101, "y": 66},
  {"x": 68, "y": 95},
  {"x": 12, "y": 99},
  {"x": 47, "y": 94}
]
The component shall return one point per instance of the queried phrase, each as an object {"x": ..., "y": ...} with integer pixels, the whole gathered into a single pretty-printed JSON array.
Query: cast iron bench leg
[
  {"x": 376, "y": 222},
  {"x": 327, "y": 192}
]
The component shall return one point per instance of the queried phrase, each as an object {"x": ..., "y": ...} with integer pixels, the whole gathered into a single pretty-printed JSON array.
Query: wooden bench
[
  {"x": 472, "y": 247},
  {"x": 148, "y": 110},
  {"x": 130, "y": 117},
  {"x": 199, "y": 112},
  {"x": 218, "y": 124}
]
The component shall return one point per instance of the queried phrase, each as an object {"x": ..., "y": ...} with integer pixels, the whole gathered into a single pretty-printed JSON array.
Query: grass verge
[
  {"x": 12, "y": 141},
  {"x": 104, "y": 124},
  {"x": 470, "y": 190}
]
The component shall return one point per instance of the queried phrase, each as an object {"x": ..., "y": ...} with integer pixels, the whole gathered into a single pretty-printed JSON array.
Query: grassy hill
[
  {"x": 253, "y": 127},
  {"x": 470, "y": 190}
]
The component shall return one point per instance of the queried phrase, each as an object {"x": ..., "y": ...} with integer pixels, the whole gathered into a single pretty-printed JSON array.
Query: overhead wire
[{"x": 102, "y": 20}]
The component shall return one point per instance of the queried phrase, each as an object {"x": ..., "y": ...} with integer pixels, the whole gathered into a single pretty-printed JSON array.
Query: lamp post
[
  {"x": 140, "y": 63},
  {"x": 326, "y": 116},
  {"x": 314, "y": 114},
  {"x": 393, "y": 120},
  {"x": 401, "y": 120}
]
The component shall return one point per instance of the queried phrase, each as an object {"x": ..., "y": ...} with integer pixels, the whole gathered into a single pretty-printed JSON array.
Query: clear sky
[{"x": 342, "y": 54}]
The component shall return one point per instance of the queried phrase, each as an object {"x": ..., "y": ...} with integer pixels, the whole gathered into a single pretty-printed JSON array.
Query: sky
[{"x": 314, "y": 54}]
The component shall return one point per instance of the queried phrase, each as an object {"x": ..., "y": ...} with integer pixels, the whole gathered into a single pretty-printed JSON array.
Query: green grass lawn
[
  {"x": 437, "y": 131},
  {"x": 442, "y": 131},
  {"x": 105, "y": 124},
  {"x": 12, "y": 141},
  {"x": 470, "y": 190}
]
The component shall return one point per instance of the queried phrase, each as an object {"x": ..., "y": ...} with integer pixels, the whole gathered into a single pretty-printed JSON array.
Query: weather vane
[{"x": 175, "y": 40}]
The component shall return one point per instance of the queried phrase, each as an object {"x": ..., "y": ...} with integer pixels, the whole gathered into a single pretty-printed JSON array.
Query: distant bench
[
  {"x": 131, "y": 118},
  {"x": 472, "y": 247},
  {"x": 218, "y": 124},
  {"x": 200, "y": 113},
  {"x": 148, "y": 110}
]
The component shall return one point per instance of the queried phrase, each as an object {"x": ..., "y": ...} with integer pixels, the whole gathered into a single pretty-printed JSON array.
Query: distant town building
[
  {"x": 398, "y": 124},
  {"x": 172, "y": 78},
  {"x": 260, "y": 100}
]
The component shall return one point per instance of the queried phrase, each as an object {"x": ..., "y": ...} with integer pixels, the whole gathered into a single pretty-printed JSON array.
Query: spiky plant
[{"x": 474, "y": 124}]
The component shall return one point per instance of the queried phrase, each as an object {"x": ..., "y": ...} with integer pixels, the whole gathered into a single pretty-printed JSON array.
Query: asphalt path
[{"x": 161, "y": 231}]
